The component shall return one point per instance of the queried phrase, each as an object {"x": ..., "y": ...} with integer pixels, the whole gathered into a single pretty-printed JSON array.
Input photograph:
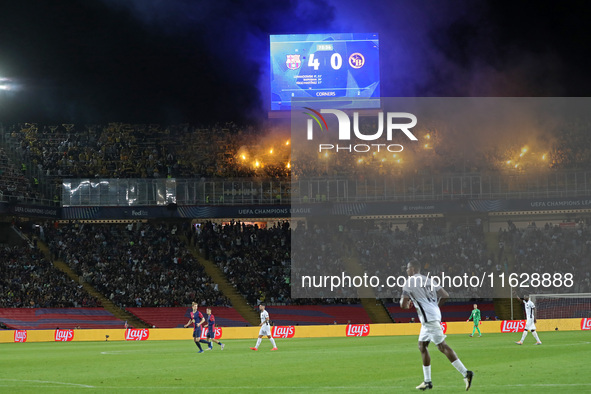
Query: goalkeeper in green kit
[{"x": 475, "y": 316}]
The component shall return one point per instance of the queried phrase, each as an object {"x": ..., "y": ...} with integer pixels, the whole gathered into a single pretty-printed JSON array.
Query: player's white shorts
[
  {"x": 530, "y": 325},
  {"x": 265, "y": 330},
  {"x": 432, "y": 331}
]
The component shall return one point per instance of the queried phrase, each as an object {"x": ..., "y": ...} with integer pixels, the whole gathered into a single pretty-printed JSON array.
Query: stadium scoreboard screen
[{"x": 341, "y": 67}]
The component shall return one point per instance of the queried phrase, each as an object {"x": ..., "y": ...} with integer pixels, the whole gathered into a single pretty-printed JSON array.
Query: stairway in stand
[
  {"x": 376, "y": 310},
  {"x": 502, "y": 295},
  {"x": 372, "y": 305},
  {"x": 237, "y": 300},
  {"x": 119, "y": 313}
]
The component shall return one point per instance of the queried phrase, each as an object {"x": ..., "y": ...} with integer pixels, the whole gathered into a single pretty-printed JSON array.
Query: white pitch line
[
  {"x": 341, "y": 387},
  {"x": 298, "y": 387},
  {"x": 48, "y": 382},
  {"x": 280, "y": 387},
  {"x": 549, "y": 344},
  {"x": 117, "y": 352},
  {"x": 572, "y": 344},
  {"x": 544, "y": 385}
]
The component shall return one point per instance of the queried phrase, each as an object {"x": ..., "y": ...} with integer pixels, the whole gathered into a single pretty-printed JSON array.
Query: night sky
[{"x": 176, "y": 61}]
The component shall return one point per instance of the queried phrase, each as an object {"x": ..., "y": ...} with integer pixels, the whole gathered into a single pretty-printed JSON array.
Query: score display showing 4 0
[{"x": 344, "y": 65}]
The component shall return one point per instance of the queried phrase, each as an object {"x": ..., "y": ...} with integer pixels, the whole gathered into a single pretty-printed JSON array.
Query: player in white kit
[
  {"x": 530, "y": 322},
  {"x": 427, "y": 298},
  {"x": 265, "y": 329}
]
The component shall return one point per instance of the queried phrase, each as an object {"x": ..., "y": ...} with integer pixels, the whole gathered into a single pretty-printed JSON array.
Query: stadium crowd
[
  {"x": 14, "y": 185},
  {"x": 552, "y": 248},
  {"x": 136, "y": 264},
  {"x": 28, "y": 280},
  {"x": 256, "y": 261},
  {"x": 118, "y": 150},
  {"x": 147, "y": 264},
  {"x": 384, "y": 249}
]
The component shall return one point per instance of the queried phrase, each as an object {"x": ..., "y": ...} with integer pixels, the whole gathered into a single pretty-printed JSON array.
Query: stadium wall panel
[{"x": 487, "y": 327}]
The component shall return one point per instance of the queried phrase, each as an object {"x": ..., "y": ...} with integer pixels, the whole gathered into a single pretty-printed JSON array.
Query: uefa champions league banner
[
  {"x": 30, "y": 210},
  {"x": 265, "y": 211},
  {"x": 351, "y": 209},
  {"x": 193, "y": 212},
  {"x": 539, "y": 204},
  {"x": 385, "y": 146}
]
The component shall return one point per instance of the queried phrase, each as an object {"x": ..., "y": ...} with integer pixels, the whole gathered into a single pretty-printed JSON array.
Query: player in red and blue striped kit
[
  {"x": 211, "y": 330},
  {"x": 196, "y": 315}
]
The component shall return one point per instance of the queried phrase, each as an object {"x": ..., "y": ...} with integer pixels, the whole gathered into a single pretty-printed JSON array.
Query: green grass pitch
[{"x": 351, "y": 365}]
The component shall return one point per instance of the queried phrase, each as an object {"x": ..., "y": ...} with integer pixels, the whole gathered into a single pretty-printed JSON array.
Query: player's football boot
[
  {"x": 519, "y": 343},
  {"x": 538, "y": 343},
  {"x": 468, "y": 379},
  {"x": 254, "y": 348},
  {"x": 223, "y": 345},
  {"x": 274, "y": 349},
  {"x": 425, "y": 386}
]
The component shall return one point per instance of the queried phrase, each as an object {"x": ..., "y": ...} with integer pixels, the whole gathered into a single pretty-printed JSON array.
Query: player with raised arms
[
  {"x": 530, "y": 322},
  {"x": 265, "y": 329},
  {"x": 427, "y": 298}
]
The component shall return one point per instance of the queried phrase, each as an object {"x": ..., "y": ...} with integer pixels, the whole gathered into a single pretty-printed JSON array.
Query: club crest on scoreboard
[
  {"x": 356, "y": 60},
  {"x": 293, "y": 62}
]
